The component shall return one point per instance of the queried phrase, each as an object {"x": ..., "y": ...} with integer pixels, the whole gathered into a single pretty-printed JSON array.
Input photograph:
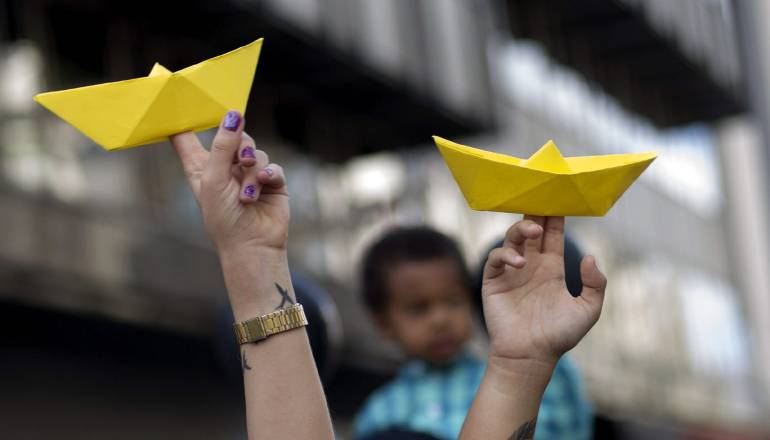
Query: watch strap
[{"x": 259, "y": 328}]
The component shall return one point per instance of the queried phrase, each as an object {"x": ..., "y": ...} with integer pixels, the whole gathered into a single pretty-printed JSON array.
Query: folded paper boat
[
  {"x": 545, "y": 184},
  {"x": 144, "y": 110}
]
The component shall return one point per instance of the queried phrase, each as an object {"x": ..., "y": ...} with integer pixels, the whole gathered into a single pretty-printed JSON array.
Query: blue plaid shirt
[{"x": 436, "y": 400}]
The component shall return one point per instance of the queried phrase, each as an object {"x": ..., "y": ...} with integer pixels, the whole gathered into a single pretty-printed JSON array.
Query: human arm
[
  {"x": 532, "y": 320},
  {"x": 245, "y": 207}
]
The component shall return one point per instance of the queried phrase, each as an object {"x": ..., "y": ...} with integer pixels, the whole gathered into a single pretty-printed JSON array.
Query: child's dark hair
[{"x": 401, "y": 245}]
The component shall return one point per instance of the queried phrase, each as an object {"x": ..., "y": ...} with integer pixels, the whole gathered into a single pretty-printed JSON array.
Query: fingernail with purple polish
[
  {"x": 232, "y": 121},
  {"x": 248, "y": 152},
  {"x": 269, "y": 172},
  {"x": 249, "y": 191}
]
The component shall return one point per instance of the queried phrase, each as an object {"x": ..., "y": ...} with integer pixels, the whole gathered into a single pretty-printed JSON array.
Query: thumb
[{"x": 594, "y": 281}]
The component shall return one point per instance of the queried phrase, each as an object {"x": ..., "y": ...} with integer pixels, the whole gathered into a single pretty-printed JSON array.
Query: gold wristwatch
[{"x": 259, "y": 328}]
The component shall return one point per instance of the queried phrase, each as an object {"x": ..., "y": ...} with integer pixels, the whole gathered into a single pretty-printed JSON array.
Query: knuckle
[
  {"x": 207, "y": 179},
  {"x": 219, "y": 146},
  {"x": 194, "y": 174},
  {"x": 262, "y": 157}
]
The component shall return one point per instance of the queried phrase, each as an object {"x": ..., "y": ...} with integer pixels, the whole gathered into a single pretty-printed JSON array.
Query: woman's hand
[
  {"x": 245, "y": 207},
  {"x": 530, "y": 314},
  {"x": 242, "y": 196}
]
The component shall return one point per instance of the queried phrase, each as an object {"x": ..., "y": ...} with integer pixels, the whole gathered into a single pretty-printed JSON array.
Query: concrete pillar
[{"x": 748, "y": 236}]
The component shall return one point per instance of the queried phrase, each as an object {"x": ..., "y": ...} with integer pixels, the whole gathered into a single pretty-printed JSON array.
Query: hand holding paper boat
[
  {"x": 145, "y": 110},
  {"x": 545, "y": 184}
]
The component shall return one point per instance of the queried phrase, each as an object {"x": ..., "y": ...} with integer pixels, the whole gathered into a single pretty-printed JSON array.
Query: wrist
[
  {"x": 246, "y": 242},
  {"x": 235, "y": 257},
  {"x": 510, "y": 374},
  {"x": 256, "y": 280}
]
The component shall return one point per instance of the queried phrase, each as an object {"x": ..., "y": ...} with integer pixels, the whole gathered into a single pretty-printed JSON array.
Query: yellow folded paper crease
[
  {"x": 545, "y": 184},
  {"x": 145, "y": 110}
]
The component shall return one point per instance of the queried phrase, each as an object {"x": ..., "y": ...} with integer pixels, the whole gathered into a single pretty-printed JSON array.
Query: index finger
[
  {"x": 224, "y": 147},
  {"x": 535, "y": 245},
  {"x": 519, "y": 233}
]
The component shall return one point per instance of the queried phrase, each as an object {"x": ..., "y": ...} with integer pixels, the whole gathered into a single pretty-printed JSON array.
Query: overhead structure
[{"x": 671, "y": 71}]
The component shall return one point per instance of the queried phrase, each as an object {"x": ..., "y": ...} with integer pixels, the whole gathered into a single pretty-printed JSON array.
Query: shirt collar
[{"x": 419, "y": 367}]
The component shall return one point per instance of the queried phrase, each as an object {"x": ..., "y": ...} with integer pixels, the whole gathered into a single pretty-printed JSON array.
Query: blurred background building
[{"x": 111, "y": 301}]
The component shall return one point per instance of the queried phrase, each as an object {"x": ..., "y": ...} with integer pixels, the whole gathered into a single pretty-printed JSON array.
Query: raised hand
[
  {"x": 245, "y": 207},
  {"x": 529, "y": 312},
  {"x": 242, "y": 196}
]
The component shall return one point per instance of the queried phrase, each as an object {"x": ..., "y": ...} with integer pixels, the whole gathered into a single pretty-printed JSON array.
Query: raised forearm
[
  {"x": 246, "y": 213},
  {"x": 284, "y": 398},
  {"x": 508, "y": 400}
]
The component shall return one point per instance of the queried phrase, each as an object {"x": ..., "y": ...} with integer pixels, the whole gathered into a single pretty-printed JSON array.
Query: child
[{"x": 418, "y": 290}]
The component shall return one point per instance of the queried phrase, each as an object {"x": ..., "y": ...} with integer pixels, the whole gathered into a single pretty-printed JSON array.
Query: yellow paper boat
[
  {"x": 545, "y": 184},
  {"x": 144, "y": 110}
]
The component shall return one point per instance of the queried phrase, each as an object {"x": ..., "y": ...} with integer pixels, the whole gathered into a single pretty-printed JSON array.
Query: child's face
[{"x": 428, "y": 312}]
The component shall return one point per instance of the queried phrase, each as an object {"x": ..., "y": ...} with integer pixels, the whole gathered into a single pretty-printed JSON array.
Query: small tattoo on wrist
[
  {"x": 525, "y": 431},
  {"x": 244, "y": 363},
  {"x": 285, "y": 298}
]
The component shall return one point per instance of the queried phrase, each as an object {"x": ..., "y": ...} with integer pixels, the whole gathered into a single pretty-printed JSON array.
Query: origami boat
[
  {"x": 545, "y": 184},
  {"x": 144, "y": 110}
]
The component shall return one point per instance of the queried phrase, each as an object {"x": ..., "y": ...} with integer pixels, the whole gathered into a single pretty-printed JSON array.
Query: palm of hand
[
  {"x": 530, "y": 314},
  {"x": 264, "y": 222}
]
